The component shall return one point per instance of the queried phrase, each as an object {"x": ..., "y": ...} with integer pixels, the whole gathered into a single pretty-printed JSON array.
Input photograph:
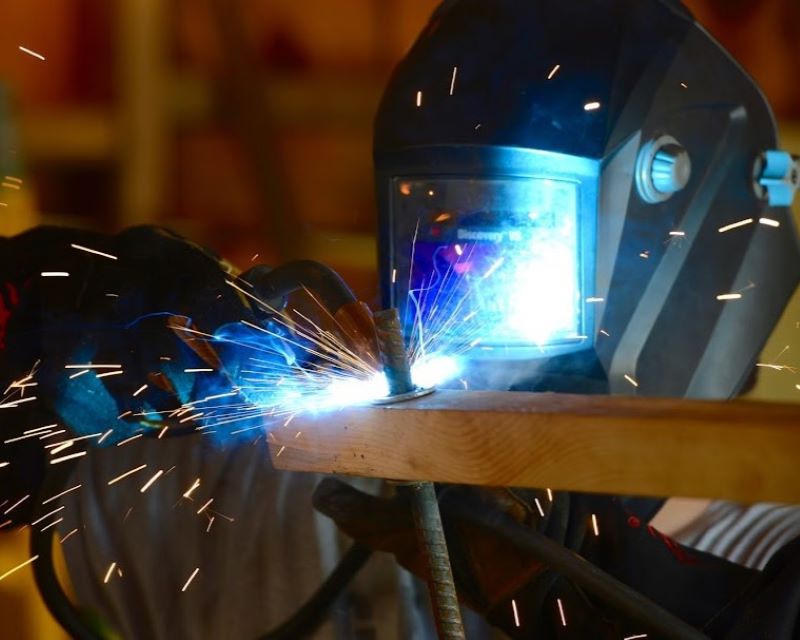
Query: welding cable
[
  {"x": 41, "y": 545},
  {"x": 572, "y": 566},
  {"x": 277, "y": 283},
  {"x": 301, "y": 624},
  {"x": 307, "y": 618}
]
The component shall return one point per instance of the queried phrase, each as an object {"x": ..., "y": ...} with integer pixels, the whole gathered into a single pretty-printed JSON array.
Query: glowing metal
[
  {"x": 31, "y": 53},
  {"x": 126, "y": 474},
  {"x": 736, "y": 225},
  {"x": 561, "y": 612},
  {"x": 191, "y": 577},
  {"x": 94, "y": 251},
  {"x": 19, "y": 566}
]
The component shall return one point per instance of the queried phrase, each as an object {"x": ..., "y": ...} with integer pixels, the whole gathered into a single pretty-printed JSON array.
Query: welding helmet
[{"x": 583, "y": 196}]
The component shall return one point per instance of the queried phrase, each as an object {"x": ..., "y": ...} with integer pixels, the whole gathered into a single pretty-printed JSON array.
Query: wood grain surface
[{"x": 744, "y": 451}]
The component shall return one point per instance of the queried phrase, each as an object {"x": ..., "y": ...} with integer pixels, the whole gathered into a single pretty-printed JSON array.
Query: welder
[{"x": 594, "y": 191}]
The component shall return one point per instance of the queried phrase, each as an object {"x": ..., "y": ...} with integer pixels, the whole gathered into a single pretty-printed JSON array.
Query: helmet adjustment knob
[
  {"x": 662, "y": 169},
  {"x": 777, "y": 177}
]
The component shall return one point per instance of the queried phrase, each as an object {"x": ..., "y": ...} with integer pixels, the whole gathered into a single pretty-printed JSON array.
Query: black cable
[
  {"x": 572, "y": 566},
  {"x": 308, "y": 617},
  {"x": 275, "y": 284},
  {"x": 302, "y": 623}
]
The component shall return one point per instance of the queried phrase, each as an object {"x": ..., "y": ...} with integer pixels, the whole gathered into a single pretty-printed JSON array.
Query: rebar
[{"x": 424, "y": 505}]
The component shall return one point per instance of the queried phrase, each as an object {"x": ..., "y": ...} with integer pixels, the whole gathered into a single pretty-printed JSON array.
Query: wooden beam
[{"x": 744, "y": 451}]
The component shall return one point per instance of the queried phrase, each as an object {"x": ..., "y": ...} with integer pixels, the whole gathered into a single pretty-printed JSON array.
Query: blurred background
[{"x": 246, "y": 126}]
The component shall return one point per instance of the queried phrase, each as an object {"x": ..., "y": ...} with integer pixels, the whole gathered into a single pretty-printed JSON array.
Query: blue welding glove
[
  {"x": 722, "y": 598},
  {"x": 128, "y": 307}
]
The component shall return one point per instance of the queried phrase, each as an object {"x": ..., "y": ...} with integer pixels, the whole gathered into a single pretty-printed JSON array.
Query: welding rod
[{"x": 427, "y": 519}]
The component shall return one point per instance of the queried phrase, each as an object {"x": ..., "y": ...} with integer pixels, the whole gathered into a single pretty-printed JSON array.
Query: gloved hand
[
  {"x": 490, "y": 570},
  {"x": 144, "y": 310}
]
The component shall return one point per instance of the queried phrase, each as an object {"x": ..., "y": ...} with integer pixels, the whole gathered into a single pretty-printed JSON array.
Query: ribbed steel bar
[{"x": 427, "y": 520}]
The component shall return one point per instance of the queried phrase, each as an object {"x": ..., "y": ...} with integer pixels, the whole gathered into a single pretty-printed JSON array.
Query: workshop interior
[{"x": 230, "y": 229}]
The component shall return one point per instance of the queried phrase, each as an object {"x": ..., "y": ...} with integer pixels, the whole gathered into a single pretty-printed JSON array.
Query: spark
[
  {"x": 644, "y": 255},
  {"x": 677, "y": 234},
  {"x": 139, "y": 390},
  {"x": 126, "y": 474},
  {"x": 14, "y": 179},
  {"x": 52, "y": 524},
  {"x": 63, "y": 493},
  {"x": 78, "y": 374},
  {"x": 16, "y": 504},
  {"x": 561, "y": 612},
  {"x": 47, "y": 427},
  {"x": 50, "y": 435},
  {"x": 419, "y": 98},
  {"x": 553, "y": 72},
  {"x": 69, "y": 535},
  {"x": 104, "y": 436},
  {"x": 280, "y": 451},
  {"x": 60, "y": 446},
  {"x": 684, "y": 85},
  {"x": 127, "y": 440},
  {"x": 71, "y": 456},
  {"x": 729, "y": 296},
  {"x": 80, "y": 247},
  {"x": 605, "y": 333},
  {"x": 109, "y": 573},
  {"x": 394, "y": 276},
  {"x": 155, "y": 477},
  {"x": 11, "y": 185},
  {"x": 631, "y": 380},
  {"x": 91, "y": 365},
  {"x": 55, "y": 274},
  {"x": 594, "y": 525},
  {"x": 199, "y": 370},
  {"x": 591, "y": 106},
  {"x": 550, "y": 495},
  {"x": 15, "y": 403},
  {"x": 495, "y": 266},
  {"x": 736, "y": 225},
  {"x": 31, "y": 52},
  {"x": 109, "y": 373},
  {"x": 210, "y": 522},
  {"x": 47, "y": 515},
  {"x": 188, "y": 493},
  {"x": 640, "y": 636},
  {"x": 453, "y": 81},
  {"x": 4, "y": 464},
  {"x": 516, "y": 613},
  {"x": 191, "y": 577},
  {"x": 539, "y": 507},
  {"x": 590, "y": 300},
  {"x": 19, "y": 566},
  {"x": 205, "y": 506},
  {"x": 459, "y": 250},
  {"x": 769, "y": 222}
]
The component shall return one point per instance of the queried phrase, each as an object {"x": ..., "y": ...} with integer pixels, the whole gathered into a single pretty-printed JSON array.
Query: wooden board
[{"x": 744, "y": 451}]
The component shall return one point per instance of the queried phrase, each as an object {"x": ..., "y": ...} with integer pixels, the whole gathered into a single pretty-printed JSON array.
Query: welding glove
[
  {"x": 126, "y": 306},
  {"x": 707, "y": 592}
]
